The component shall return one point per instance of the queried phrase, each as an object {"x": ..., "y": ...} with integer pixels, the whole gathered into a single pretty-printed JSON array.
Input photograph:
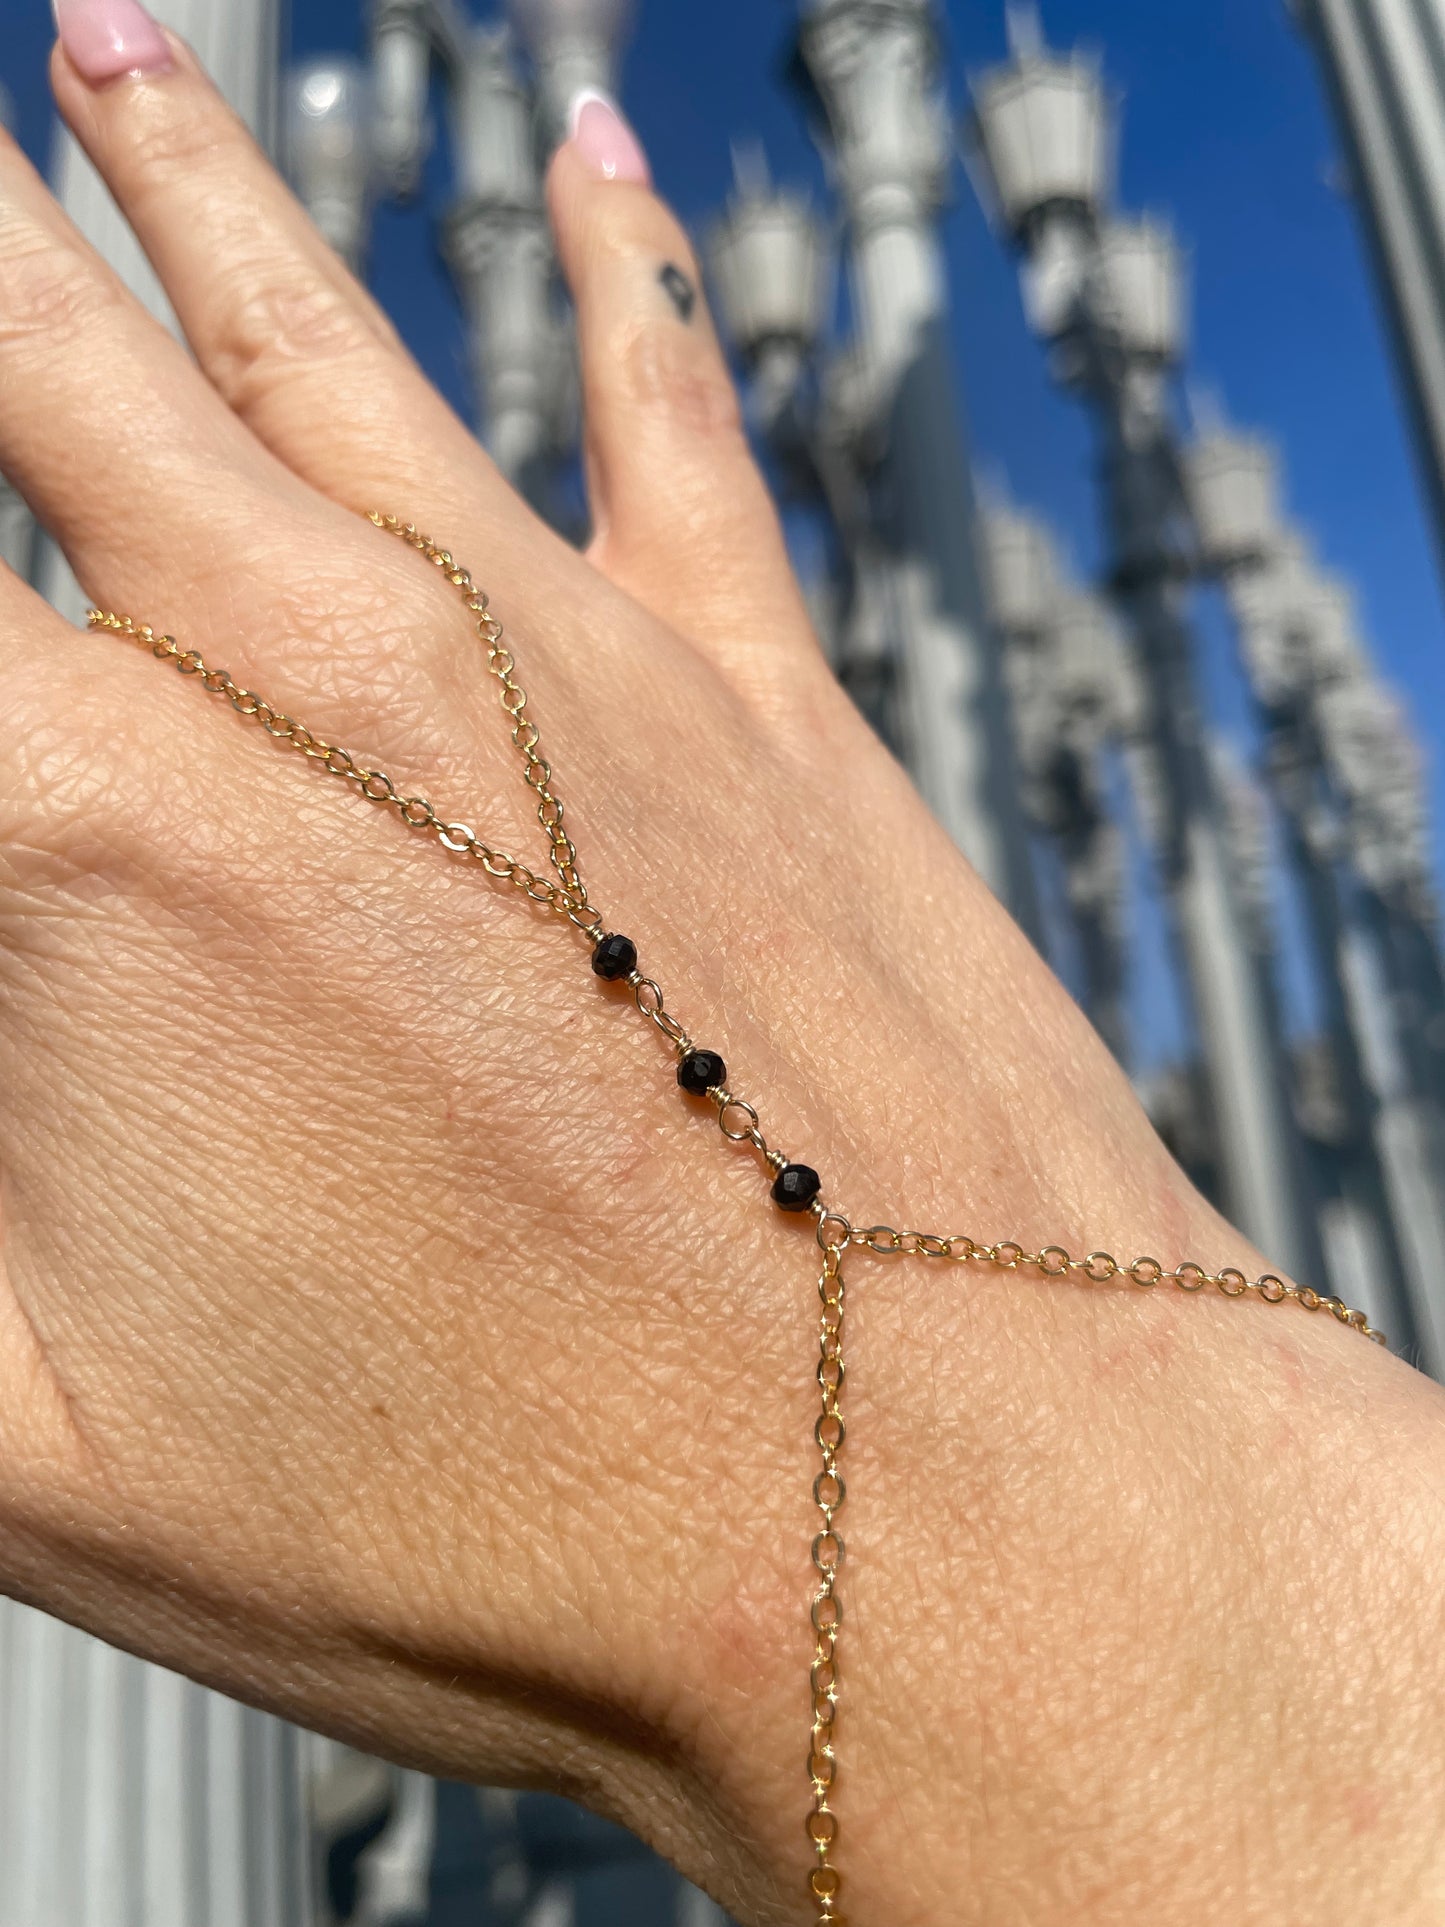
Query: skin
[{"x": 385, "y": 1340}]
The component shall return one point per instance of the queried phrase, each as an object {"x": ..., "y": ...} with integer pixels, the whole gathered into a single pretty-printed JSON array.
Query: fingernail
[
  {"x": 603, "y": 139},
  {"x": 104, "y": 39}
]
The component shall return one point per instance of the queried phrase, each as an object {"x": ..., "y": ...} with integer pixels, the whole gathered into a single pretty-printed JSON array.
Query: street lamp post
[
  {"x": 1310, "y": 675},
  {"x": 499, "y": 249},
  {"x": 495, "y": 237},
  {"x": 770, "y": 262},
  {"x": 1106, "y": 295},
  {"x": 1293, "y": 636},
  {"x": 1064, "y": 676},
  {"x": 873, "y": 63},
  {"x": 770, "y": 266}
]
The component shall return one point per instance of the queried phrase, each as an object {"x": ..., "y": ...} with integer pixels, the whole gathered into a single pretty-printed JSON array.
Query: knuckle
[
  {"x": 645, "y": 356},
  {"x": 271, "y": 323},
  {"x": 659, "y": 365},
  {"x": 163, "y": 144},
  {"x": 50, "y": 294}
]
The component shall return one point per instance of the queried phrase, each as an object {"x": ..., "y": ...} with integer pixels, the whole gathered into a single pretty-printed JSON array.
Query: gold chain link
[
  {"x": 825, "y": 1883},
  {"x": 738, "y": 1121}
]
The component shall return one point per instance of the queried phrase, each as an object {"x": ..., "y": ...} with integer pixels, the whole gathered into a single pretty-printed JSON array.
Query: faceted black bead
[
  {"x": 700, "y": 1070},
  {"x": 615, "y": 957},
  {"x": 796, "y": 1186}
]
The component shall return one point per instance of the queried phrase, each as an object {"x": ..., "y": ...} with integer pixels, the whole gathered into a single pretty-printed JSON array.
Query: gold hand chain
[{"x": 796, "y": 1187}]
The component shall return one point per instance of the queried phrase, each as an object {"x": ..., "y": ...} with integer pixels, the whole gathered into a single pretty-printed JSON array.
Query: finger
[
  {"x": 169, "y": 507},
  {"x": 684, "y": 520},
  {"x": 106, "y": 426},
  {"x": 283, "y": 331}
]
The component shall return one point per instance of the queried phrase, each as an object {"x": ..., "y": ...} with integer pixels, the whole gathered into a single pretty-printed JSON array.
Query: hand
[{"x": 386, "y": 1340}]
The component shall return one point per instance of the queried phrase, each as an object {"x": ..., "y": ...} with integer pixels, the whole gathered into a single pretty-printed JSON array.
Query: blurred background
[{"x": 1097, "y": 359}]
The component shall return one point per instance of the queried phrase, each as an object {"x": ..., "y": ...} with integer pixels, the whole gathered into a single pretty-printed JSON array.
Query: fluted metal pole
[
  {"x": 874, "y": 64},
  {"x": 1384, "y": 61},
  {"x": 130, "y": 1797}
]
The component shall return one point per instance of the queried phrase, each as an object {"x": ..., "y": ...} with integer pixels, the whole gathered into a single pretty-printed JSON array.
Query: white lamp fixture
[
  {"x": 1136, "y": 290},
  {"x": 1041, "y": 128},
  {"x": 1022, "y": 571},
  {"x": 327, "y": 145},
  {"x": 1233, "y": 487},
  {"x": 771, "y": 265}
]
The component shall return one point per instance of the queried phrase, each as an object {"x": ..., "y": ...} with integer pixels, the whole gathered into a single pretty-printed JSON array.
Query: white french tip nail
[{"x": 584, "y": 97}]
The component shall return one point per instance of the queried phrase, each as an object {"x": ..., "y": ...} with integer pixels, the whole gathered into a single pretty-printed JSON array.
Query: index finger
[{"x": 281, "y": 328}]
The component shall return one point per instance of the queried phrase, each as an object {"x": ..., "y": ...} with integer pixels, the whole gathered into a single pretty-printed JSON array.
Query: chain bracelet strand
[{"x": 702, "y": 1072}]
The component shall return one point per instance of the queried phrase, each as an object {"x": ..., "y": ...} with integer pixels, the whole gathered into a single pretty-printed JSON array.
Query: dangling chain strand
[{"x": 702, "y": 1073}]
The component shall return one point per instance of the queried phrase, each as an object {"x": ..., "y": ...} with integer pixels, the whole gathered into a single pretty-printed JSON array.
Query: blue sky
[{"x": 1224, "y": 128}]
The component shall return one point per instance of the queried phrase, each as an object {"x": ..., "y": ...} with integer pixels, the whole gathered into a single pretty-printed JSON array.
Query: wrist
[{"x": 1120, "y": 1570}]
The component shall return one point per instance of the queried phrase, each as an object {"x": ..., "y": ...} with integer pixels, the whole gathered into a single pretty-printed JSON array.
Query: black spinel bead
[
  {"x": 614, "y": 957},
  {"x": 796, "y": 1186},
  {"x": 700, "y": 1070}
]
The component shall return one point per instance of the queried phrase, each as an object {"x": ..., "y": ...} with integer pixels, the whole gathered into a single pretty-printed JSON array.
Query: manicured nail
[
  {"x": 104, "y": 39},
  {"x": 604, "y": 140}
]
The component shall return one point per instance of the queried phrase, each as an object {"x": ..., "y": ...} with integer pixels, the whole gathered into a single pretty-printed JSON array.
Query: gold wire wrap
[{"x": 565, "y": 893}]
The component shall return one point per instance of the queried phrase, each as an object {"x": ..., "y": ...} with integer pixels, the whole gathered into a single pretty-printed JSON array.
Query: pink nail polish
[
  {"x": 604, "y": 141},
  {"x": 104, "y": 39}
]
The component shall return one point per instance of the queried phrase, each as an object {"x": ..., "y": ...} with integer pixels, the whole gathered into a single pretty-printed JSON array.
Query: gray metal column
[
  {"x": 874, "y": 63},
  {"x": 128, "y": 1796},
  {"x": 1385, "y": 64}
]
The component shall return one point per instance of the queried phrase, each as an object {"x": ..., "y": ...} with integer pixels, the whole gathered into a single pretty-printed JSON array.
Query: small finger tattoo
[{"x": 679, "y": 290}]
